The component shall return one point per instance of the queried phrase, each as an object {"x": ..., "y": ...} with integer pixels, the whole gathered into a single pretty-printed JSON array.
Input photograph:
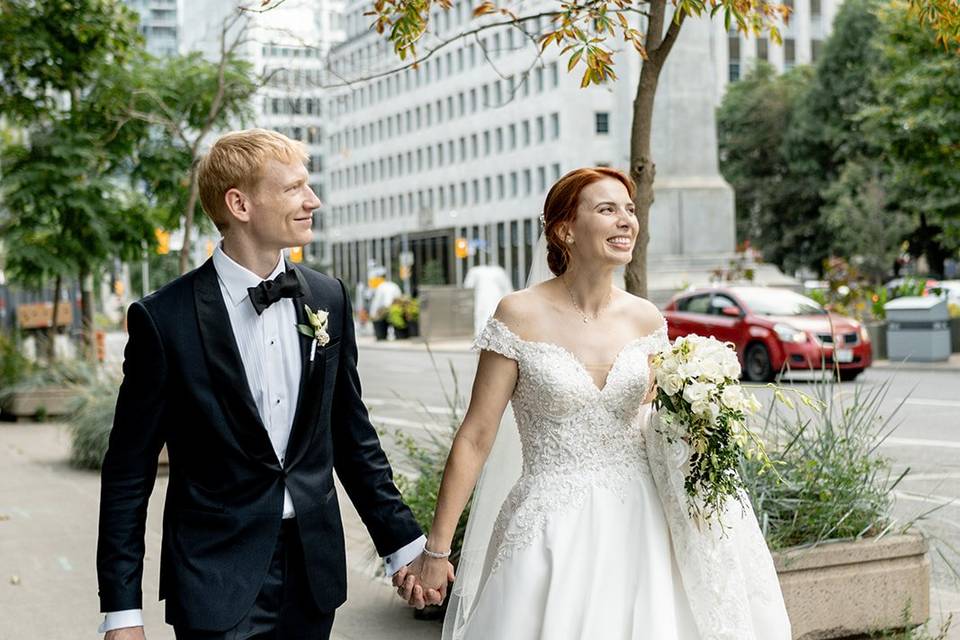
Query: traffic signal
[
  {"x": 461, "y": 248},
  {"x": 163, "y": 241}
]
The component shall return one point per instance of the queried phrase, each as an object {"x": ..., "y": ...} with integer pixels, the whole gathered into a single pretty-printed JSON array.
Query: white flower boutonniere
[{"x": 317, "y": 329}]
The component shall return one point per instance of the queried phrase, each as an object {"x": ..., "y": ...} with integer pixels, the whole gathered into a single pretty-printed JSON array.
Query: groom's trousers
[{"x": 284, "y": 608}]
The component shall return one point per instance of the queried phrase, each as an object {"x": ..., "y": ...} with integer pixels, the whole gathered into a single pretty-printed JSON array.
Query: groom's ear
[{"x": 238, "y": 204}]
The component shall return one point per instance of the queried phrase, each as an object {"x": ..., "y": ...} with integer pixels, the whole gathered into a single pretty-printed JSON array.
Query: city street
[{"x": 48, "y": 511}]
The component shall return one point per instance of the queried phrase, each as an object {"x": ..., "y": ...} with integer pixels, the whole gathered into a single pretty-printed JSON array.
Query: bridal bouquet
[{"x": 700, "y": 401}]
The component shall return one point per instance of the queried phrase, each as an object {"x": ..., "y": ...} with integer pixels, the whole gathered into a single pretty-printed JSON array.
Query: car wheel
[
  {"x": 849, "y": 375},
  {"x": 757, "y": 367}
]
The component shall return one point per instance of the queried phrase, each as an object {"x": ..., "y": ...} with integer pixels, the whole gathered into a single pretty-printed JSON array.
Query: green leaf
[{"x": 305, "y": 330}]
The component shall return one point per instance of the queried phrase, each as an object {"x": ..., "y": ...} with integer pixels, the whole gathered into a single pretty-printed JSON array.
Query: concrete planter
[
  {"x": 850, "y": 589},
  {"x": 955, "y": 335},
  {"x": 42, "y": 403},
  {"x": 878, "y": 338}
]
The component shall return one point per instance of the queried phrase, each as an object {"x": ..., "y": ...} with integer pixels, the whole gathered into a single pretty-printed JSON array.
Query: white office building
[
  {"x": 803, "y": 37},
  {"x": 464, "y": 148},
  {"x": 159, "y": 24},
  {"x": 287, "y": 46}
]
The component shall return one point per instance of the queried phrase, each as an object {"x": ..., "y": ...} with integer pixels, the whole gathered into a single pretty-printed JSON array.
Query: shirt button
[
  {"x": 278, "y": 400},
  {"x": 272, "y": 343}
]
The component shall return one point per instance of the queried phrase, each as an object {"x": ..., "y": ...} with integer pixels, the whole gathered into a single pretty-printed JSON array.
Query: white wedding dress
[{"x": 593, "y": 541}]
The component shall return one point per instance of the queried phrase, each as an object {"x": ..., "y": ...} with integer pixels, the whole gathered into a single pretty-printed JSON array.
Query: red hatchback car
[{"x": 773, "y": 330}]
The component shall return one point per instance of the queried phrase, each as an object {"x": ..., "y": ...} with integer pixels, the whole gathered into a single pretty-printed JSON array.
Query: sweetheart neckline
[{"x": 576, "y": 360}]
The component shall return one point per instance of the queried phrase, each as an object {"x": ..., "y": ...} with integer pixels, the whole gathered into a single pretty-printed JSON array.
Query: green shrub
[
  {"x": 833, "y": 483},
  {"x": 395, "y": 315},
  {"x": 91, "y": 422},
  {"x": 14, "y": 366}
]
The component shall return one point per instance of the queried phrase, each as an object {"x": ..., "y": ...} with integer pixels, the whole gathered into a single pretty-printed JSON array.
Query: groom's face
[{"x": 282, "y": 206}]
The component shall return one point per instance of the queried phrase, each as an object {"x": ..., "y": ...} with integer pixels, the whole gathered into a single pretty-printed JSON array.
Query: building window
[
  {"x": 525, "y": 129},
  {"x": 733, "y": 49},
  {"x": 512, "y": 136},
  {"x": 554, "y": 126},
  {"x": 816, "y": 47},
  {"x": 601, "y": 122},
  {"x": 541, "y": 129},
  {"x": 541, "y": 179},
  {"x": 527, "y": 182},
  {"x": 514, "y": 183},
  {"x": 789, "y": 53},
  {"x": 763, "y": 49}
]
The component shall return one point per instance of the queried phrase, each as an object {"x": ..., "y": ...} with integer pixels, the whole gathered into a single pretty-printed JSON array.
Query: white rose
[
  {"x": 697, "y": 391},
  {"x": 731, "y": 368},
  {"x": 732, "y": 397},
  {"x": 669, "y": 364},
  {"x": 670, "y": 383},
  {"x": 689, "y": 370},
  {"x": 700, "y": 407},
  {"x": 711, "y": 369}
]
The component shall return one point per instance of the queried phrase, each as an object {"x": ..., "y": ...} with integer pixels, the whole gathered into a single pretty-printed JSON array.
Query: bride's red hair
[{"x": 560, "y": 207}]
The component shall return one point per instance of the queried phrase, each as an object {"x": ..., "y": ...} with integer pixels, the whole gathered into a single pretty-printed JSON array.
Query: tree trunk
[
  {"x": 86, "y": 313},
  {"x": 643, "y": 171},
  {"x": 188, "y": 220},
  {"x": 52, "y": 332}
]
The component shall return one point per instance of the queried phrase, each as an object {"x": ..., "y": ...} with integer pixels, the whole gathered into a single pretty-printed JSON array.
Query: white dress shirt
[{"x": 269, "y": 348}]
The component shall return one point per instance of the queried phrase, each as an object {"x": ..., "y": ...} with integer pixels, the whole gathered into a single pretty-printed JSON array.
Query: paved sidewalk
[
  {"x": 48, "y": 531},
  {"x": 952, "y": 364}
]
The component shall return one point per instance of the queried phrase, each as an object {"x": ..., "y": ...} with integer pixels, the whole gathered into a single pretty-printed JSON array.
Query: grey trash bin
[{"x": 918, "y": 329}]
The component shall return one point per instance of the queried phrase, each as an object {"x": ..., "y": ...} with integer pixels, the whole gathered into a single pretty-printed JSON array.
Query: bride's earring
[{"x": 569, "y": 239}]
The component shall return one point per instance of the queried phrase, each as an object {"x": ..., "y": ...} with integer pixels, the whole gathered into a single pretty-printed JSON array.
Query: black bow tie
[{"x": 285, "y": 285}]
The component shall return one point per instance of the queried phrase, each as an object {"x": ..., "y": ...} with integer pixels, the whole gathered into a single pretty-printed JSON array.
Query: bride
[{"x": 593, "y": 540}]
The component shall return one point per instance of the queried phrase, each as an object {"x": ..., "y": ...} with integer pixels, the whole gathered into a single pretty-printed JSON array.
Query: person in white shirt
[{"x": 246, "y": 368}]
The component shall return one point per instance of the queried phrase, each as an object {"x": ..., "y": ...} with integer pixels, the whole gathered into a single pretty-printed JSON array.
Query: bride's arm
[{"x": 492, "y": 388}]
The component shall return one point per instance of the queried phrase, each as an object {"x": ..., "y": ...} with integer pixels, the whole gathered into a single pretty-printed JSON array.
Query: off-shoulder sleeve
[
  {"x": 498, "y": 338},
  {"x": 658, "y": 340}
]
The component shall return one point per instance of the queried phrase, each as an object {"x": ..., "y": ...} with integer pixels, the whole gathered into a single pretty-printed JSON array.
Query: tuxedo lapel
[
  {"x": 312, "y": 374},
  {"x": 226, "y": 367}
]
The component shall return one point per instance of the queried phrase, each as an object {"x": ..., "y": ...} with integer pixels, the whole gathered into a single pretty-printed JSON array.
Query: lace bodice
[{"x": 573, "y": 434}]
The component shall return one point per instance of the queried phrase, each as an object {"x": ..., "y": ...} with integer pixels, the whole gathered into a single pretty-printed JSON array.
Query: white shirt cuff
[
  {"x": 404, "y": 556},
  {"x": 121, "y": 619}
]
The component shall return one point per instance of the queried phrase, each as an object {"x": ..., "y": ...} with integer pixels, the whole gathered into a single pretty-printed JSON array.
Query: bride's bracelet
[{"x": 435, "y": 555}]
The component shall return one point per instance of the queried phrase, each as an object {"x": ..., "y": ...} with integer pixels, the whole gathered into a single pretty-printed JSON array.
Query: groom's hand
[
  {"x": 126, "y": 633},
  {"x": 406, "y": 581}
]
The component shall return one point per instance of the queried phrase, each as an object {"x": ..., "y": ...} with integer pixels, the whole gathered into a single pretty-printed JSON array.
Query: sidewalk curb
[
  {"x": 439, "y": 346},
  {"x": 952, "y": 365}
]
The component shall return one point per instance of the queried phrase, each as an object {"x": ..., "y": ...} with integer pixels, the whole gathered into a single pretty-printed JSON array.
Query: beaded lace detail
[{"x": 574, "y": 435}]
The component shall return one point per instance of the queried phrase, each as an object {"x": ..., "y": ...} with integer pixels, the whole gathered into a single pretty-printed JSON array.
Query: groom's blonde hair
[{"x": 235, "y": 161}]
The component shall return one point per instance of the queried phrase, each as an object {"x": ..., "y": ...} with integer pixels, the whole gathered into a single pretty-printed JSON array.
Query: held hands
[{"x": 424, "y": 581}]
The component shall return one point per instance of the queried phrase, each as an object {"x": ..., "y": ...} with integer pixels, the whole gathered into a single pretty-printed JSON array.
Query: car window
[
  {"x": 778, "y": 302},
  {"x": 695, "y": 304},
  {"x": 719, "y": 302}
]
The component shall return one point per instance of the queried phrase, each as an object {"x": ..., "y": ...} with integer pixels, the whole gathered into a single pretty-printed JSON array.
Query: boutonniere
[{"x": 317, "y": 329}]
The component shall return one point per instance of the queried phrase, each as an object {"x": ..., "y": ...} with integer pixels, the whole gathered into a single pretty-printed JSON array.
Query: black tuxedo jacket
[{"x": 184, "y": 385}]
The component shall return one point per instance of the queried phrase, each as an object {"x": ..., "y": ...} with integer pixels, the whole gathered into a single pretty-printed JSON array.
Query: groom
[{"x": 256, "y": 415}]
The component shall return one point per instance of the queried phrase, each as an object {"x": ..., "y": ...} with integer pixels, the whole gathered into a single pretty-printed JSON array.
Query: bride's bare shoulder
[
  {"x": 519, "y": 309},
  {"x": 643, "y": 313}
]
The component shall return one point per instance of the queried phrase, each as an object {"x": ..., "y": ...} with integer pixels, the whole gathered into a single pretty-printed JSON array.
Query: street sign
[{"x": 406, "y": 259}]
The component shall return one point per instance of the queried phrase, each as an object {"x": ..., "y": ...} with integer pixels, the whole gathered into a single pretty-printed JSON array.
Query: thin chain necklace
[{"x": 586, "y": 318}]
